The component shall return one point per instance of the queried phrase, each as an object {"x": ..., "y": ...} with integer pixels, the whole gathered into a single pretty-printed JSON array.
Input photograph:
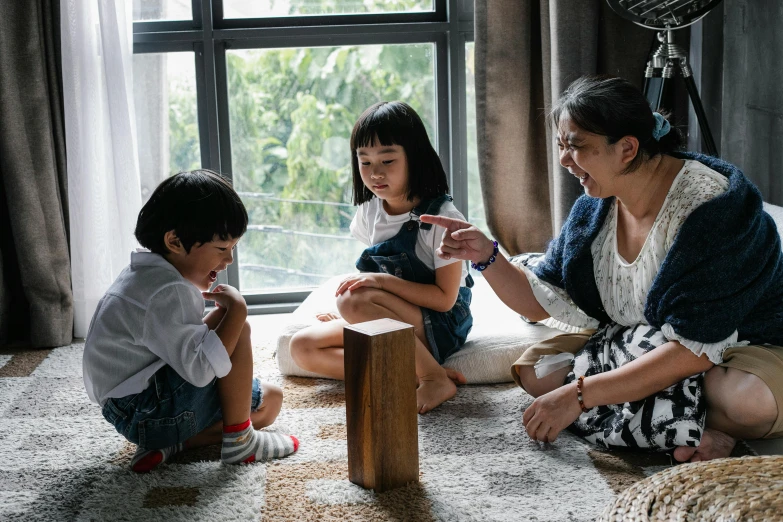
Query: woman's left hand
[
  {"x": 366, "y": 280},
  {"x": 552, "y": 413}
]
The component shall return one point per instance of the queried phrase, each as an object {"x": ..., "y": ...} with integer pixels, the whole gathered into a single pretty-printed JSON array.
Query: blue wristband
[{"x": 483, "y": 266}]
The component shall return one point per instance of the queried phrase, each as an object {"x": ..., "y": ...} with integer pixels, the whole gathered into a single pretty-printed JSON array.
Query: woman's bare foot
[
  {"x": 714, "y": 445},
  {"x": 325, "y": 317},
  {"x": 433, "y": 391}
]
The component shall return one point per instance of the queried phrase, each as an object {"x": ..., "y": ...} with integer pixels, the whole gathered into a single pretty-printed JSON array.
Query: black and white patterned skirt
[{"x": 670, "y": 418}]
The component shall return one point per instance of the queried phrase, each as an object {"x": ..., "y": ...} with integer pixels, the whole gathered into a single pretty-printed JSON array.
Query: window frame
[{"x": 208, "y": 35}]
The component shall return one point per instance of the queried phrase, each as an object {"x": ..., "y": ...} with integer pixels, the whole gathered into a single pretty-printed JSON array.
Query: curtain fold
[
  {"x": 104, "y": 188},
  {"x": 36, "y": 304},
  {"x": 526, "y": 55}
]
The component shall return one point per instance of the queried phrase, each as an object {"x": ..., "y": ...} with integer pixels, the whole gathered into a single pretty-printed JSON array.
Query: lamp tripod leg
[
  {"x": 698, "y": 108},
  {"x": 654, "y": 87}
]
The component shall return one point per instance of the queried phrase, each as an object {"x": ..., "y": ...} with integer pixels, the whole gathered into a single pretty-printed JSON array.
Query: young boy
[{"x": 166, "y": 378}]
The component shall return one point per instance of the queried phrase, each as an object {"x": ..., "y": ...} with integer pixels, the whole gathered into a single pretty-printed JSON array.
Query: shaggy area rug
[{"x": 59, "y": 460}]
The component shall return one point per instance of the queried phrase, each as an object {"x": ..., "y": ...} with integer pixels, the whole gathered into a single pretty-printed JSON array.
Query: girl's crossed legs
[{"x": 319, "y": 348}]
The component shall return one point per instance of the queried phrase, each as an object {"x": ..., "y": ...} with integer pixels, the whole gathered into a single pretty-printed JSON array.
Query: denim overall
[{"x": 445, "y": 331}]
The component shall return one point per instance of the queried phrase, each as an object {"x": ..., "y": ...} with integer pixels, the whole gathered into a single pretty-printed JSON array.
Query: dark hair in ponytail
[{"x": 613, "y": 107}]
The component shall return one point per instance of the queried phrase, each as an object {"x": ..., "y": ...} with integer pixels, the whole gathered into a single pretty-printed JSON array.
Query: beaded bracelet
[
  {"x": 579, "y": 384},
  {"x": 483, "y": 266}
]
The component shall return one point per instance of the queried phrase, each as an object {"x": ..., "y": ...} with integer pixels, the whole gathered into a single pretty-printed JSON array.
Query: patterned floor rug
[{"x": 59, "y": 460}]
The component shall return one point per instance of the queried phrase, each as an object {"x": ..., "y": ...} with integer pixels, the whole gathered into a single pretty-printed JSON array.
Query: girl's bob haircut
[
  {"x": 396, "y": 123},
  {"x": 197, "y": 206}
]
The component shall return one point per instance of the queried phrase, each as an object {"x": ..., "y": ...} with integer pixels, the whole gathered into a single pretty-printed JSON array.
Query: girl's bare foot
[
  {"x": 714, "y": 445},
  {"x": 455, "y": 376},
  {"x": 433, "y": 391}
]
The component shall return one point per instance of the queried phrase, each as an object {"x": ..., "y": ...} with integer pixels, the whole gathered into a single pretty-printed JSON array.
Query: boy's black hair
[
  {"x": 614, "y": 107},
  {"x": 396, "y": 123},
  {"x": 197, "y": 206}
]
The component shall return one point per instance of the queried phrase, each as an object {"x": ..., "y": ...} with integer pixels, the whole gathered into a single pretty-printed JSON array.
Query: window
[
  {"x": 272, "y": 8},
  {"x": 164, "y": 90},
  {"x": 267, "y": 92}
]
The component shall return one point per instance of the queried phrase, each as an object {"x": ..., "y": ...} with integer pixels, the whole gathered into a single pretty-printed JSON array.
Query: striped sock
[
  {"x": 243, "y": 444},
  {"x": 147, "y": 460}
]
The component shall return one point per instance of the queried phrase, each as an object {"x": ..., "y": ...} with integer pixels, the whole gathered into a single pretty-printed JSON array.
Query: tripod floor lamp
[{"x": 669, "y": 60}]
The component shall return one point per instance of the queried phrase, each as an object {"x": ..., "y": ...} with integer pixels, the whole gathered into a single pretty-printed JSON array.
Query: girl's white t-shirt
[{"x": 372, "y": 225}]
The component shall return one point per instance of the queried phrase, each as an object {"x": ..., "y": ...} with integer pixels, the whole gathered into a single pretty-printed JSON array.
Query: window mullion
[
  {"x": 458, "y": 125},
  {"x": 208, "y": 60},
  {"x": 208, "y": 105},
  {"x": 224, "y": 140},
  {"x": 443, "y": 113}
]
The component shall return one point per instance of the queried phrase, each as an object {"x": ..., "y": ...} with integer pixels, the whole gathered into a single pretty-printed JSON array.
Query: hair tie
[{"x": 662, "y": 126}]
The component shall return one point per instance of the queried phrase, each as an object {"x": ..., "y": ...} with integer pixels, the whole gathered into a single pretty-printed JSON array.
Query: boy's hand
[{"x": 225, "y": 296}]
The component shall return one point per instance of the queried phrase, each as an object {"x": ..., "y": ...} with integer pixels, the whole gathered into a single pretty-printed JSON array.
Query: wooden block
[{"x": 380, "y": 402}]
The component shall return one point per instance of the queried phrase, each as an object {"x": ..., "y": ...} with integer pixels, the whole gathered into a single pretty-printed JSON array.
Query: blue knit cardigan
[{"x": 724, "y": 271}]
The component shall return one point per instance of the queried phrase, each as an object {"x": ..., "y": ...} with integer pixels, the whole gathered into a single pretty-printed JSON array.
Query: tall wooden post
[{"x": 380, "y": 402}]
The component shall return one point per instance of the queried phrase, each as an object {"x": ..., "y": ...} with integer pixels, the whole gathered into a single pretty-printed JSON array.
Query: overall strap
[{"x": 431, "y": 206}]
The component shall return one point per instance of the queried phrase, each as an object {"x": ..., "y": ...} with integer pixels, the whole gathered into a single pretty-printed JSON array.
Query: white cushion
[
  {"x": 498, "y": 338},
  {"x": 777, "y": 214}
]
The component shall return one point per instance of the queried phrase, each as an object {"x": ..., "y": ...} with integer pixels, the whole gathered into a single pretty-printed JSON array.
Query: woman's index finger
[{"x": 448, "y": 223}]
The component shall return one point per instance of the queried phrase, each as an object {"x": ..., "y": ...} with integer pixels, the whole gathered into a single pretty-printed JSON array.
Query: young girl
[{"x": 397, "y": 177}]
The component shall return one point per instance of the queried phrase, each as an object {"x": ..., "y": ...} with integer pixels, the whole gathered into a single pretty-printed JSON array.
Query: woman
[{"x": 669, "y": 275}]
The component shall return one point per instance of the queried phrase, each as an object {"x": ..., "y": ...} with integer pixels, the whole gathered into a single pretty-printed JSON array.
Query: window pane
[
  {"x": 164, "y": 93},
  {"x": 475, "y": 202},
  {"x": 291, "y": 113},
  {"x": 275, "y": 8},
  {"x": 162, "y": 10}
]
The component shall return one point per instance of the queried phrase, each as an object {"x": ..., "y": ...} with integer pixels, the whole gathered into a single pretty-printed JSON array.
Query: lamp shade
[{"x": 663, "y": 14}]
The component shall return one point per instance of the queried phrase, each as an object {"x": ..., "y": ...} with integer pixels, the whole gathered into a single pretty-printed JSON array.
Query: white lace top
[{"x": 623, "y": 285}]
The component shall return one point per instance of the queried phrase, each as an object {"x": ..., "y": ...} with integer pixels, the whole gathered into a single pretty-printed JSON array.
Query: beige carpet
[{"x": 59, "y": 460}]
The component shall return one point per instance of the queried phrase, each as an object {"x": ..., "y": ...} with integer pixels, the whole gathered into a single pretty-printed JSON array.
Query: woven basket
[{"x": 746, "y": 489}]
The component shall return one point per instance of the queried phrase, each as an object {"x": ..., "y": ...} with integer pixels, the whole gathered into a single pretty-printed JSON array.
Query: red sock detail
[
  {"x": 236, "y": 427},
  {"x": 251, "y": 458},
  {"x": 296, "y": 442},
  {"x": 148, "y": 462}
]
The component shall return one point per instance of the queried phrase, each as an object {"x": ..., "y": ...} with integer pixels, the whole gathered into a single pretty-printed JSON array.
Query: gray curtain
[
  {"x": 527, "y": 52},
  {"x": 35, "y": 282}
]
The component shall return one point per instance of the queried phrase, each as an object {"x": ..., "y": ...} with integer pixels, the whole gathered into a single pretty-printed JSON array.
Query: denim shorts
[
  {"x": 446, "y": 331},
  {"x": 169, "y": 411}
]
